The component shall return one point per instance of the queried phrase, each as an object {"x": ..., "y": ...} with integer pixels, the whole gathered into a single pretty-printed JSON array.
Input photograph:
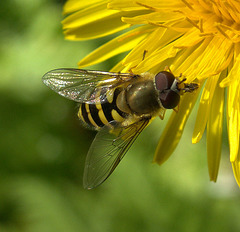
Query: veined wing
[
  {"x": 107, "y": 150},
  {"x": 84, "y": 85}
]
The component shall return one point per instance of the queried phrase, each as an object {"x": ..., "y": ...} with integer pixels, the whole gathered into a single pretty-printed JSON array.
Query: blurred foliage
[{"x": 43, "y": 148}]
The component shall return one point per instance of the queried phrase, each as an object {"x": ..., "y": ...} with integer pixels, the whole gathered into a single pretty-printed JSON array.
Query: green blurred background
[{"x": 43, "y": 148}]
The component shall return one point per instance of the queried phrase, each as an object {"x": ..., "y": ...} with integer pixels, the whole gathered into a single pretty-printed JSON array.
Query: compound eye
[
  {"x": 169, "y": 99},
  {"x": 164, "y": 80}
]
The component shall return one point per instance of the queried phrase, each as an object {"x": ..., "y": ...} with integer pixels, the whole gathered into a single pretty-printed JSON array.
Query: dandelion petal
[
  {"x": 214, "y": 132},
  {"x": 204, "y": 108},
  {"x": 236, "y": 171},
  {"x": 173, "y": 131},
  {"x": 114, "y": 47}
]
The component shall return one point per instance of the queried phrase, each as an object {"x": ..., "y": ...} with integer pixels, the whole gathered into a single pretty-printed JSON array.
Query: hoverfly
[{"x": 119, "y": 106}]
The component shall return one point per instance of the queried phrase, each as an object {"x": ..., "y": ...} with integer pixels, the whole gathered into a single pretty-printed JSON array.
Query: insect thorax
[{"x": 142, "y": 98}]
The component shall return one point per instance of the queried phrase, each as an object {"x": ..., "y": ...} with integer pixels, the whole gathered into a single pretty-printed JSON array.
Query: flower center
[{"x": 214, "y": 17}]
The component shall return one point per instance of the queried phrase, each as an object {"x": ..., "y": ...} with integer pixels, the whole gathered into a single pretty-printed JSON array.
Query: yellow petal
[
  {"x": 93, "y": 22},
  {"x": 214, "y": 132},
  {"x": 204, "y": 108},
  {"x": 116, "y": 46},
  {"x": 209, "y": 58},
  {"x": 173, "y": 131},
  {"x": 118, "y": 67},
  {"x": 234, "y": 73},
  {"x": 236, "y": 171},
  {"x": 157, "y": 39},
  {"x": 157, "y": 17},
  {"x": 73, "y": 5},
  {"x": 189, "y": 39},
  {"x": 184, "y": 61},
  {"x": 233, "y": 120},
  {"x": 126, "y": 5},
  {"x": 153, "y": 60},
  {"x": 88, "y": 15},
  {"x": 216, "y": 57},
  {"x": 100, "y": 30}
]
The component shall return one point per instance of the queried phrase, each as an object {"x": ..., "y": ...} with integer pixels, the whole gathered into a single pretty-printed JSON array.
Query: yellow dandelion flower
[{"x": 198, "y": 38}]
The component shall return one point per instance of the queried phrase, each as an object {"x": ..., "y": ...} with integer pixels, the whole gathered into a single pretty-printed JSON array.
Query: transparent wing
[
  {"x": 107, "y": 150},
  {"x": 84, "y": 85}
]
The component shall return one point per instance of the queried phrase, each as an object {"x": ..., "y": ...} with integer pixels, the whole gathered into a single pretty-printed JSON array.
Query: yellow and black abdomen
[{"x": 98, "y": 115}]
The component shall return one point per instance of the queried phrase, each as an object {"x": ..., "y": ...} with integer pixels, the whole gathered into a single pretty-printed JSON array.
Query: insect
[{"x": 119, "y": 106}]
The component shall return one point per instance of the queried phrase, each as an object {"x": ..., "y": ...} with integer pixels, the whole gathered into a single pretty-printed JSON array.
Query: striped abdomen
[{"x": 98, "y": 115}]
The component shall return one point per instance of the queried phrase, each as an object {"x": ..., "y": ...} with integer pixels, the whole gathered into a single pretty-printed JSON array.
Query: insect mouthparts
[{"x": 190, "y": 87}]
